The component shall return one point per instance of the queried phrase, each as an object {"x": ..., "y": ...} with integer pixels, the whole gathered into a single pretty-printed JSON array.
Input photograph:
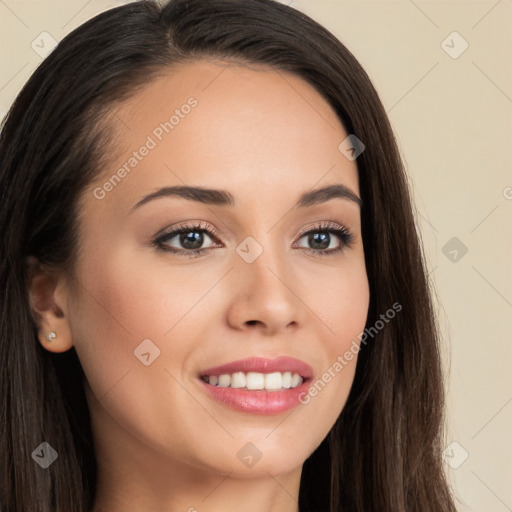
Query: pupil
[
  {"x": 323, "y": 238},
  {"x": 188, "y": 239}
]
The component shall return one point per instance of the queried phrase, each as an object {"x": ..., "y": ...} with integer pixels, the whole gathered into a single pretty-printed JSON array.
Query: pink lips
[
  {"x": 263, "y": 365},
  {"x": 261, "y": 402}
]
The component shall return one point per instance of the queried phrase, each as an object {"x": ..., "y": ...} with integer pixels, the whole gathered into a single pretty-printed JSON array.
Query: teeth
[
  {"x": 256, "y": 381},
  {"x": 238, "y": 380},
  {"x": 296, "y": 380},
  {"x": 224, "y": 380},
  {"x": 273, "y": 380}
]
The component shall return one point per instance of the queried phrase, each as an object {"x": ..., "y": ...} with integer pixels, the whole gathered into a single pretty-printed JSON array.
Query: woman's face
[{"x": 146, "y": 322}]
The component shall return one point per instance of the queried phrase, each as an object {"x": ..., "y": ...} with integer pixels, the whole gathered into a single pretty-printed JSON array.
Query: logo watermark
[
  {"x": 348, "y": 355},
  {"x": 151, "y": 142}
]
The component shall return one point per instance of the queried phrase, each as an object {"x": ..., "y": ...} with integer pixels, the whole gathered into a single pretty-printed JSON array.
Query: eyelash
[{"x": 343, "y": 233}]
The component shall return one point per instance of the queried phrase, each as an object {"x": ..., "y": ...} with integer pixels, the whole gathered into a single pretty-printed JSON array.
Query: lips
[
  {"x": 259, "y": 402},
  {"x": 262, "y": 365}
]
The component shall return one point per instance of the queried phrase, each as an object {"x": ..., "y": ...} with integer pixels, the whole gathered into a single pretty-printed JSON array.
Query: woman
[{"x": 177, "y": 332}]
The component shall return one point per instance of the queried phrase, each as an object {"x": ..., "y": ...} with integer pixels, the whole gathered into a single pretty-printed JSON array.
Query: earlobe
[
  {"x": 54, "y": 332},
  {"x": 52, "y": 342}
]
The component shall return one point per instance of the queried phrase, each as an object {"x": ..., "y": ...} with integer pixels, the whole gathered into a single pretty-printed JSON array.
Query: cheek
[
  {"x": 121, "y": 303},
  {"x": 338, "y": 298},
  {"x": 113, "y": 313},
  {"x": 127, "y": 296}
]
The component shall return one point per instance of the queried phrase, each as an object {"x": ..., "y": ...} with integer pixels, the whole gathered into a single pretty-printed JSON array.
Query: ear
[{"x": 48, "y": 300}]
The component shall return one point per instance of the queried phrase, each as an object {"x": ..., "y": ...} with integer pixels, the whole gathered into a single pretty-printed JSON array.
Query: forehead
[{"x": 223, "y": 125}]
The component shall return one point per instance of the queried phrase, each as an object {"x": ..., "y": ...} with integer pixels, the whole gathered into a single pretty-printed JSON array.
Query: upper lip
[{"x": 263, "y": 365}]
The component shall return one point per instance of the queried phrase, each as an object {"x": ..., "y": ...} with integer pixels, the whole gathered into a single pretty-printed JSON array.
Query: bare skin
[{"x": 162, "y": 443}]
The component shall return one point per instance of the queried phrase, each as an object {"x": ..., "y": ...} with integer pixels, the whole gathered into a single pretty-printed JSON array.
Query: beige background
[{"x": 453, "y": 120}]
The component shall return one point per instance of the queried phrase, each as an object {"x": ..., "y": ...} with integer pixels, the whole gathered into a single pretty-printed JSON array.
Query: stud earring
[{"x": 51, "y": 336}]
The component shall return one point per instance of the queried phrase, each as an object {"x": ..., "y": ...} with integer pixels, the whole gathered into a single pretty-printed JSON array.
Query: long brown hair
[{"x": 384, "y": 451}]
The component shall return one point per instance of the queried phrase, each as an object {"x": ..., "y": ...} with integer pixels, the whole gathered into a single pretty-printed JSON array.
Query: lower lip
[{"x": 258, "y": 401}]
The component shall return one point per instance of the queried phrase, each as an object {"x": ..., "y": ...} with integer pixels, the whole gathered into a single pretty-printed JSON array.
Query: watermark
[
  {"x": 348, "y": 355},
  {"x": 454, "y": 249},
  {"x": 45, "y": 455},
  {"x": 44, "y": 44},
  {"x": 249, "y": 249},
  {"x": 351, "y": 147},
  {"x": 507, "y": 192},
  {"x": 249, "y": 455},
  {"x": 455, "y": 455},
  {"x": 454, "y": 45},
  {"x": 151, "y": 142},
  {"x": 146, "y": 352}
]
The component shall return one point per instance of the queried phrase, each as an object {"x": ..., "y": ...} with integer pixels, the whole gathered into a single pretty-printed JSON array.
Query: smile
[{"x": 256, "y": 381}]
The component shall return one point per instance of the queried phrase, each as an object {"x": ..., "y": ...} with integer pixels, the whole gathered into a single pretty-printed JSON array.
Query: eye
[
  {"x": 321, "y": 240},
  {"x": 190, "y": 237}
]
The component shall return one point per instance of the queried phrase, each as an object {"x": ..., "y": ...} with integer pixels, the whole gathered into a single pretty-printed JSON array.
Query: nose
[{"x": 263, "y": 296}]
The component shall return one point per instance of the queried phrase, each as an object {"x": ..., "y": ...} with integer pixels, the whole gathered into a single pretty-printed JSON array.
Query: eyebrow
[{"x": 224, "y": 198}]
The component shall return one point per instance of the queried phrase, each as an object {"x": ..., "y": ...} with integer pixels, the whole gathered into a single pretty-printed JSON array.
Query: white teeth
[
  {"x": 273, "y": 380},
  {"x": 296, "y": 380},
  {"x": 224, "y": 380},
  {"x": 238, "y": 380},
  {"x": 256, "y": 381}
]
